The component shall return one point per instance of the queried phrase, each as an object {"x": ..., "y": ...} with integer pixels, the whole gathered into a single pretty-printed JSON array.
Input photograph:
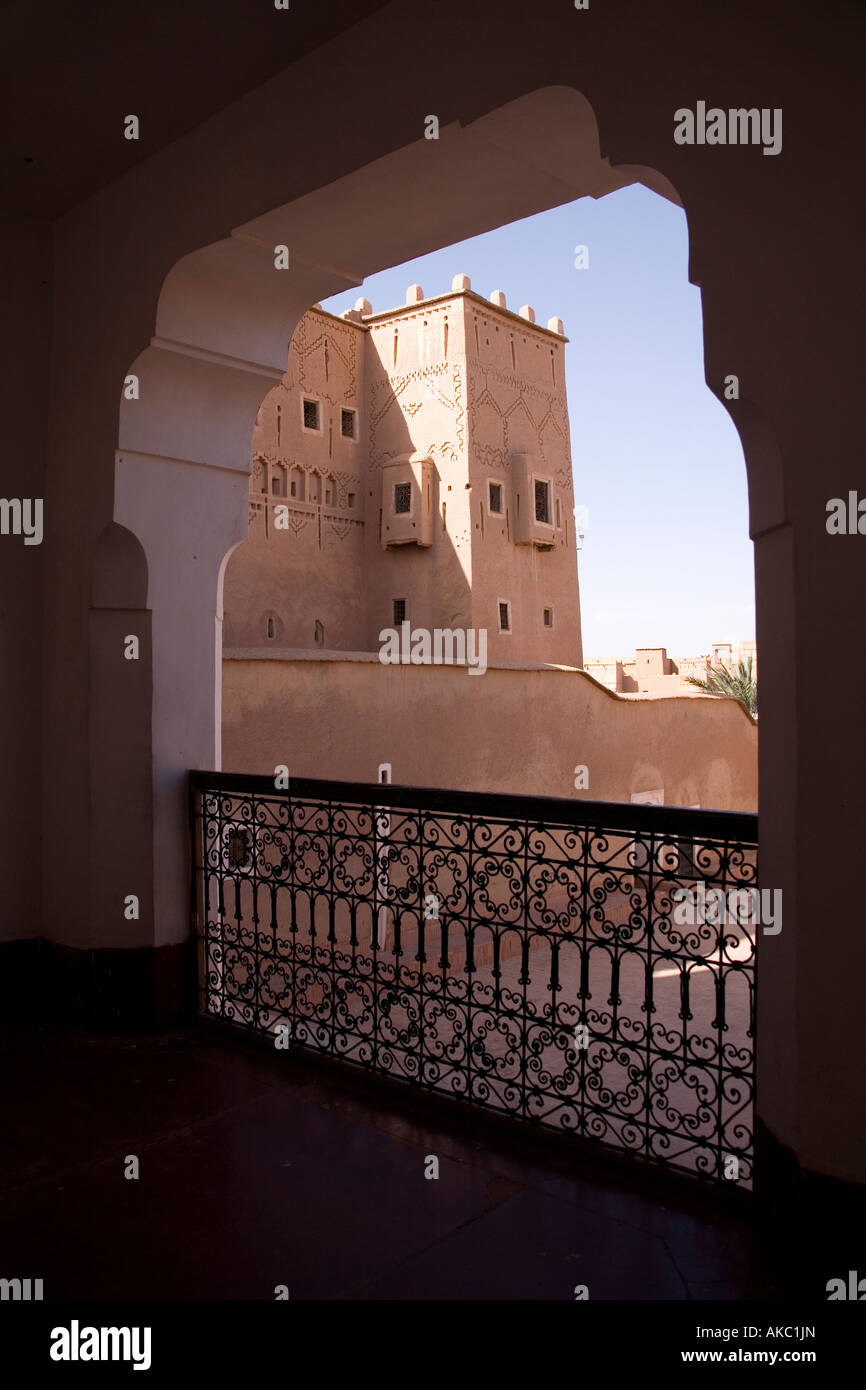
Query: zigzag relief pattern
[
  {"x": 343, "y": 482},
  {"x": 480, "y": 378},
  {"x": 457, "y": 387},
  {"x": 443, "y": 451},
  {"x": 341, "y": 341},
  {"x": 331, "y": 345},
  {"x": 393, "y": 389},
  {"x": 396, "y": 386},
  {"x": 488, "y": 456},
  {"x": 540, "y": 410}
]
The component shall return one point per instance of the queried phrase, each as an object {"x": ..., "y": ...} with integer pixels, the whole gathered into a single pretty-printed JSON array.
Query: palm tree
[{"x": 738, "y": 682}]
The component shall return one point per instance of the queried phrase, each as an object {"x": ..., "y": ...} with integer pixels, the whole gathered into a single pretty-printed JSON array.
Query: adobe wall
[
  {"x": 456, "y": 379},
  {"x": 470, "y": 385},
  {"x": 303, "y": 565},
  {"x": 653, "y": 672},
  {"x": 517, "y": 405},
  {"x": 339, "y": 718},
  {"x": 417, "y": 403}
]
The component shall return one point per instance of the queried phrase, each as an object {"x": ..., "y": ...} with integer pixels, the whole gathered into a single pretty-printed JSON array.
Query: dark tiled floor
[{"x": 258, "y": 1169}]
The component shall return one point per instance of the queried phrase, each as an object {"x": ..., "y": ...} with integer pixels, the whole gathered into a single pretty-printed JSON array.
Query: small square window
[
  {"x": 347, "y": 424},
  {"x": 238, "y": 847},
  {"x": 351, "y": 499},
  {"x": 542, "y": 501},
  {"x": 505, "y": 617},
  {"x": 399, "y": 611},
  {"x": 495, "y": 499},
  {"x": 311, "y": 415},
  {"x": 402, "y": 498},
  {"x": 548, "y": 617}
]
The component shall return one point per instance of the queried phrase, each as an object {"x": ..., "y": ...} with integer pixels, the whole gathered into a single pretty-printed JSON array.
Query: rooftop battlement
[{"x": 362, "y": 314}]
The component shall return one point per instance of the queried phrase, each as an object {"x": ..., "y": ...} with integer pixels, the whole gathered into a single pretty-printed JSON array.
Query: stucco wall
[
  {"x": 473, "y": 387},
  {"x": 308, "y": 570},
  {"x": 417, "y": 402},
  {"x": 517, "y": 405},
  {"x": 512, "y": 730}
]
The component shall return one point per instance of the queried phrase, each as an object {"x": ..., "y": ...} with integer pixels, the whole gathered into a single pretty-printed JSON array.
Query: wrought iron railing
[{"x": 533, "y": 956}]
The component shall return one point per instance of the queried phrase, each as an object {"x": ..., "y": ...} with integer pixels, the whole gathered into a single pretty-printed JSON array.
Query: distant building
[
  {"x": 413, "y": 466},
  {"x": 653, "y": 672}
]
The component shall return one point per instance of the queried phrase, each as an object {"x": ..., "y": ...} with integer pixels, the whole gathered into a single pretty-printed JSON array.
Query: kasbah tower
[{"x": 413, "y": 465}]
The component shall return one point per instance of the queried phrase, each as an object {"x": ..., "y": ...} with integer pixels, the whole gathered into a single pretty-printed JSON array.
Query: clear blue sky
[{"x": 667, "y": 560}]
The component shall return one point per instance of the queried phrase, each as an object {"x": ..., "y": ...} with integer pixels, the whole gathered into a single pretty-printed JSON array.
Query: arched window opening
[{"x": 296, "y": 484}]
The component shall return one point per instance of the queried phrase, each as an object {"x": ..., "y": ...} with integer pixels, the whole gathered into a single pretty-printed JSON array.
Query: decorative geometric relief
[
  {"x": 551, "y": 438},
  {"x": 309, "y": 339},
  {"x": 521, "y": 430},
  {"x": 257, "y": 475},
  {"x": 488, "y": 425},
  {"x": 409, "y": 392},
  {"x": 460, "y": 403},
  {"x": 444, "y": 451},
  {"x": 489, "y": 457},
  {"x": 298, "y": 518}
]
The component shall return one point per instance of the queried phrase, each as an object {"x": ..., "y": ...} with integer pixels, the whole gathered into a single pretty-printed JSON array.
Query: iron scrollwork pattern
[{"x": 525, "y": 954}]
